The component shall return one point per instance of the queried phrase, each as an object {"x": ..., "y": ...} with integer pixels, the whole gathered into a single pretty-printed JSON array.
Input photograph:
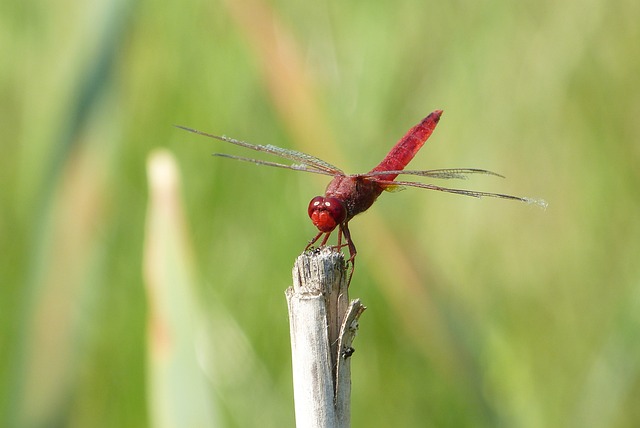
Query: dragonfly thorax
[{"x": 326, "y": 213}]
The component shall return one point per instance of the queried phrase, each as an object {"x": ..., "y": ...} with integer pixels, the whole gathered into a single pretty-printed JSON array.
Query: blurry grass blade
[
  {"x": 57, "y": 299},
  {"x": 178, "y": 392},
  {"x": 289, "y": 82}
]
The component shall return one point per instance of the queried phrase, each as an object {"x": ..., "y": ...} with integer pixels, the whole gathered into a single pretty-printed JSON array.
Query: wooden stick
[{"x": 323, "y": 324}]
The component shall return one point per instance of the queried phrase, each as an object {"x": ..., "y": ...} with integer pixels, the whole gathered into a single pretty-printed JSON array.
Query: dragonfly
[{"x": 348, "y": 195}]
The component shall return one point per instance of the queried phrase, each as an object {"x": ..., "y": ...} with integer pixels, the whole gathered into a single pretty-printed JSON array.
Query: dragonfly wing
[
  {"x": 295, "y": 167},
  {"x": 304, "y": 158},
  {"x": 473, "y": 193},
  {"x": 447, "y": 173},
  {"x": 293, "y": 155}
]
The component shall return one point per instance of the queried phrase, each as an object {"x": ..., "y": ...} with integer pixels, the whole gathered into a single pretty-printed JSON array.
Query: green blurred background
[{"x": 481, "y": 313}]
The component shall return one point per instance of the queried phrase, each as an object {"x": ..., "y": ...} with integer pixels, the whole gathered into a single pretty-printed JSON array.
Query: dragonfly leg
[
  {"x": 342, "y": 231},
  {"x": 347, "y": 237},
  {"x": 340, "y": 244},
  {"x": 326, "y": 238},
  {"x": 314, "y": 240},
  {"x": 344, "y": 228}
]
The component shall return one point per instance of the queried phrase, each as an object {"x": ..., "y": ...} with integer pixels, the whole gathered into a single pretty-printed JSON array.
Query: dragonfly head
[{"x": 326, "y": 213}]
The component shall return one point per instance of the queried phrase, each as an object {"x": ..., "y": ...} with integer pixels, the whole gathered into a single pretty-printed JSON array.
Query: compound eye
[
  {"x": 315, "y": 204},
  {"x": 335, "y": 207},
  {"x": 326, "y": 213}
]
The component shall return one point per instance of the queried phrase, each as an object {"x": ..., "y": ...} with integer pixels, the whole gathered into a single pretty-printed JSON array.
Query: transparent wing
[
  {"x": 303, "y": 158},
  {"x": 473, "y": 193},
  {"x": 447, "y": 173},
  {"x": 295, "y": 167}
]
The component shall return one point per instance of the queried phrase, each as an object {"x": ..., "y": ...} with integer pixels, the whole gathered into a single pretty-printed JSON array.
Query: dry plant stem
[{"x": 323, "y": 325}]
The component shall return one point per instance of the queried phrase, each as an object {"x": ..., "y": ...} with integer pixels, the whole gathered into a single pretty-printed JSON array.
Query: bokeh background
[{"x": 128, "y": 304}]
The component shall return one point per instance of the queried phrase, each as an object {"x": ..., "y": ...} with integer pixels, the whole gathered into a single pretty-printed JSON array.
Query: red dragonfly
[{"x": 350, "y": 194}]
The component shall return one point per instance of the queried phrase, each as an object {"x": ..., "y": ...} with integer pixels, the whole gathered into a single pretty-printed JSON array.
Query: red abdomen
[{"x": 405, "y": 149}]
